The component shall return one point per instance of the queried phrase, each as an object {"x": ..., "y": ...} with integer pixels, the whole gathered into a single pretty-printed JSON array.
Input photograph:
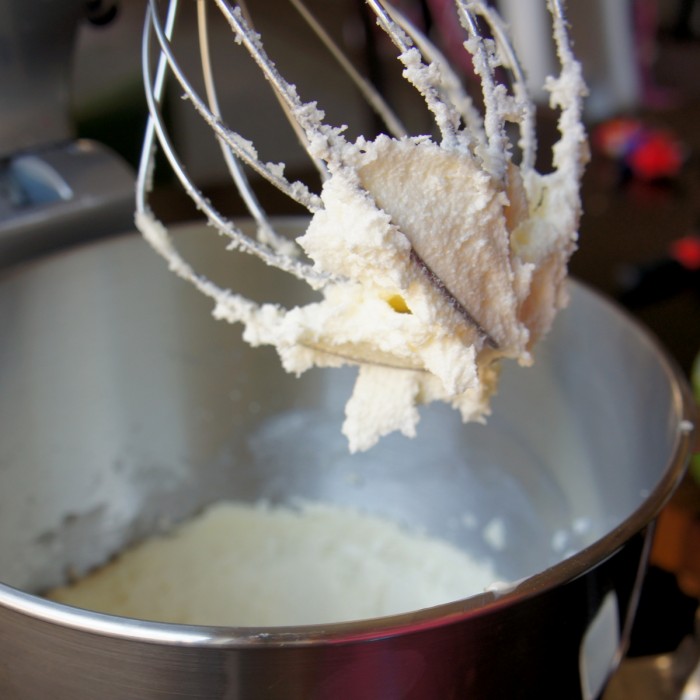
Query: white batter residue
[
  {"x": 435, "y": 260},
  {"x": 257, "y": 565}
]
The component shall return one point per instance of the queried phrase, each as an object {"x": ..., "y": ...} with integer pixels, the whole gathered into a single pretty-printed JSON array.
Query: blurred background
[{"x": 76, "y": 75}]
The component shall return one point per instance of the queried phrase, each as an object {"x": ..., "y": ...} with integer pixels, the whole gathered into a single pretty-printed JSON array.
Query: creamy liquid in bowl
[{"x": 258, "y": 565}]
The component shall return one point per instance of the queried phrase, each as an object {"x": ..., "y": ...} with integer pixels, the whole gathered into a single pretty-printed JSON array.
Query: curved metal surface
[{"x": 126, "y": 406}]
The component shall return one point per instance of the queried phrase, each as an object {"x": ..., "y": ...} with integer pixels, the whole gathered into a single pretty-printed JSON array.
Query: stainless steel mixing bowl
[{"x": 125, "y": 407}]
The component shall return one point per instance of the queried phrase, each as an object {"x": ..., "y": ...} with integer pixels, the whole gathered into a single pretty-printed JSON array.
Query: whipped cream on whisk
[{"x": 435, "y": 260}]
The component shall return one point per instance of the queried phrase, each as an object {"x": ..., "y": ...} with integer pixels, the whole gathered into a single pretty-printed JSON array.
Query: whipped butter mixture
[
  {"x": 258, "y": 565},
  {"x": 435, "y": 259}
]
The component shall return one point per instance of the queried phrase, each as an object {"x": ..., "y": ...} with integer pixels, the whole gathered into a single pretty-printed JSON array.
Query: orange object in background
[{"x": 676, "y": 546}]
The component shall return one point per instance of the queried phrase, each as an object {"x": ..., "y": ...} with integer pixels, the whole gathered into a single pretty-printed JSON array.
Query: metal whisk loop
[
  {"x": 485, "y": 59},
  {"x": 518, "y": 108},
  {"x": 151, "y": 228},
  {"x": 378, "y": 104},
  {"x": 464, "y": 129},
  {"x": 446, "y": 116},
  {"x": 570, "y": 118},
  {"x": 266, "y": 234},
  {"x": 308, "y": 117},
  {"x": 436, "y": 260},
  {"x": 241, "y": 149},
  {"x": 522, "y": 109},
  {"x": 451, "y": 86}
]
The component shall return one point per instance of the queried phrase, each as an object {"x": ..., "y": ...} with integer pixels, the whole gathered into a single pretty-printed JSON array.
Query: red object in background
[
  {"x": 648, "y": 154},
  {"x": 655, "y": 155},
  {"x": 686, "y": 251}
]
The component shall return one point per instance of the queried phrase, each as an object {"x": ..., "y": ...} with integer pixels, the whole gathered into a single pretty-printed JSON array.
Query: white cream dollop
[
  {"x": 439, "y": 270},
  {"x": 435, "y": 260},
  {"x": 259, "y": 565}
]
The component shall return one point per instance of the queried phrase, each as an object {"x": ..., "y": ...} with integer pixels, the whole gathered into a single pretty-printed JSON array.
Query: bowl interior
[{"x": 127, "y": 407}]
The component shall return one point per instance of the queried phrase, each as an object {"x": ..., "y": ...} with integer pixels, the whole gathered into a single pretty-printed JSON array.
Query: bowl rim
[{"x": 684, "y": 412}]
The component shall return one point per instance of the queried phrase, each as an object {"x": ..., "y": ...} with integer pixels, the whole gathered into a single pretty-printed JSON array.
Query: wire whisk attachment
[{"x": 435, "y": 257}]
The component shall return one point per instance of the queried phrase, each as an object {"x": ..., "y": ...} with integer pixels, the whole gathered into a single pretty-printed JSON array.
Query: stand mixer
[
  {"x": 114, "y": 417},
  {"x": 54, "y": 190}
]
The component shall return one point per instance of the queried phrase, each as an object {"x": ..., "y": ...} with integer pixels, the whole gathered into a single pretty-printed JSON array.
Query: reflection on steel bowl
[{"x": 126, "y": 408}]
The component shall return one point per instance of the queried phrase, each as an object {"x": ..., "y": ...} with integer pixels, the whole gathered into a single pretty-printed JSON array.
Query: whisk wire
[
  {"x": 373, "y": 98},
  {"x": 145, "y": 173},
  {"x": 265, "y": 231},
  {"x": 451, "y": 84},
  {"x": 484, "y": 61},
  {"x": 523, "y": 112},
  {"x": 156, "y": 124},
  {"x": 463, "y": 128},
  {"x": 242, "y": 148},
  {"x": 446, "y": 116}
]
